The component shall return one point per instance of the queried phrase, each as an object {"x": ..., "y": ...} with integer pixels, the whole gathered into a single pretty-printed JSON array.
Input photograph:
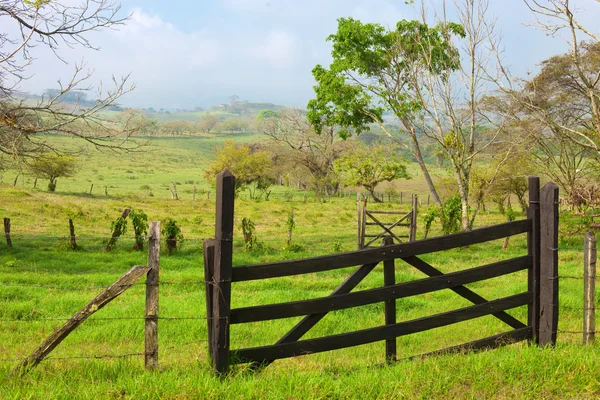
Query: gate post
[
  {"x": 413, "y": 219},
  {"x": 548, "y": 265},
  {"x": 533, "y": 250},
  {"x": 222, "y": 271},
  {"x": 389, "y": 279}
]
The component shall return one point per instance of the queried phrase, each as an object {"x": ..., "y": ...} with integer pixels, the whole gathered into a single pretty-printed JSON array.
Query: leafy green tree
[
  {"x": 372, "y": 73},
  {"x": 414, "y": 72},
  {"x": 252, "y": 167},
  {"x": 369, "y": 166},
  {"x": 52, "y": 167}
]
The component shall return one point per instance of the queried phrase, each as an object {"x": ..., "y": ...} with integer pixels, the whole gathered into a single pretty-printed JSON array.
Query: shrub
[{"x": 172, "y": 232}]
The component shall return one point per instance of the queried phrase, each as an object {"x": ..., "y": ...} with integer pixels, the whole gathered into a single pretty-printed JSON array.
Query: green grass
[{"x": 41, "y": 257}]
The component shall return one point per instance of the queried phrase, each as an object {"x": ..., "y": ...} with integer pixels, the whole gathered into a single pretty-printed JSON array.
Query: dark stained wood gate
[{"x": 541, "y": 296}]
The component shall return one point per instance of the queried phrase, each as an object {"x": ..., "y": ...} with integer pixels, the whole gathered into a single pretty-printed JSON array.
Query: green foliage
[
  {"x": 139, "y": 220},
  {"x": 266, "y": 114},
  {"x": 511, "y": 214},
  {"x": 249, "y": 166},
  {"x": 451, "y": 215},
  {"x": 249, "y": 232},
  {"x": 369, "y": 166},
  {"x": 118, "y": 228},
  {"x": 173, "y": 235},
  {"x": 291, "y": 224},
  {"x": 432, "y": 213},
  {"x": 51, "y": 167},
  {"x": 371, "y": 71}
]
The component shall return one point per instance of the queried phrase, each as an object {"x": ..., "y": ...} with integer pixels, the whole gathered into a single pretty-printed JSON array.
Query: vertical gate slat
[
  {"x": 222, "y": 273},
  {"x": 548, "y": 265},
  {"x": 533, "y": 249},
  {"x": 389, "y": 279}
]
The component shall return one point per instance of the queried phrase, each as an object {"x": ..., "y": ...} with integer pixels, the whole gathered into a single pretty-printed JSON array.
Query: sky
[{"x": 185, "y": 53}]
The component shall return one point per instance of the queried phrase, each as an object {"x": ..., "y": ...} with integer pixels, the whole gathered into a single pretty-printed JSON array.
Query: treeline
[{"x": 137, "y": 123}]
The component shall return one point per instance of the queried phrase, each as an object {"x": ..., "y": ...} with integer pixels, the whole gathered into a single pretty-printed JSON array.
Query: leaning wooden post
[
  {"x": 7, "y": 232},
  {"x": 548, "y": 265},
  {"x": 533, "y": 250},
  {"x": 152, "y": 281},
  {"x": 222, "y": 273},
  {"x": 413, "y": 219},
  {"x": 389, "y": 279},
  {"x": 110, "y": 293},
  {"x": 589, "y": 288}
]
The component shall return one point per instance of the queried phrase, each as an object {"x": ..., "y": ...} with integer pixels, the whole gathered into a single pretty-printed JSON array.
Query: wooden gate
[
  {"x": 541, "y": 297},
  {"x": 375, "y": 225}
]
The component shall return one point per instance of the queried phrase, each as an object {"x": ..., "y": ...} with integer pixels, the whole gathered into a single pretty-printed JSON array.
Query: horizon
[{"x": 261, "y": 51}]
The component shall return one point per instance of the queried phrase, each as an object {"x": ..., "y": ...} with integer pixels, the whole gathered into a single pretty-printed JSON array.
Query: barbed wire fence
[
  {"x": 588, "y": 309},
  {"x": 107, "y": 293},
  {"x": 586, "y": 284}
]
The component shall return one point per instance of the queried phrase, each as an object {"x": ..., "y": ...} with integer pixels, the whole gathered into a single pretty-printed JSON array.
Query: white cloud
[{"x": 278, "y": 48}]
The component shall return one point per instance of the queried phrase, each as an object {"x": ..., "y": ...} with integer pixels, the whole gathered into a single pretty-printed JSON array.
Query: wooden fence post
[
  {"x": 209, "y": 279},
  {"x": 413, "y": 219},
  {"x": 389, "y": 279},
  {"x": 222, "y": 272},
  {"x": 359, "y": 215},
  {"x": 152, "y": 281},
  {"x": 72, "y": 234},
  {"x": 589, "y": 288},
  {"x": 7, "y": 232},
  {"x": 548, "y": 265},
  {"x": 533, "y": 250}
]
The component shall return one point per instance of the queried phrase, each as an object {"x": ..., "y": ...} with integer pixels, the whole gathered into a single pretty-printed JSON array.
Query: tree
[
  {"x": 369, "y": 166},
  {"x": 232, "y": 125},
  {"x": 253, "y": 168},
  {"x": 301, "y": 152},
  {"x": 415, "y": 72},
  {"x": 578, "y": 71},
  {"x": 208, "y": 123},
  {"x": 554, "y": 111},
  {"x": 29, "y": 25},
  {"x": 370, "y": 74},
  {"x": 52, "y": 167},
  {"x": 134, "y": 123},
  {"x": 177, "y": 128}
]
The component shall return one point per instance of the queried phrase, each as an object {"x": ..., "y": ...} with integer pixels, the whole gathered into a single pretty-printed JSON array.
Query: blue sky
[{"x": 183, "y": 54}]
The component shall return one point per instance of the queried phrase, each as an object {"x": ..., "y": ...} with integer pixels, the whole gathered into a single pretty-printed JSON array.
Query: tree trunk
[
  {"x": 372, "y": 192},
  {"x": 422, "y": 165}
]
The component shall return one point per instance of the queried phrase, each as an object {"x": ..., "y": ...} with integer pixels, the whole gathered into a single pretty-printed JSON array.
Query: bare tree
[
  {"x": 54, "y": 25},
  {"x": 308, "y": 155},
  {"x": 454, "y": 117},
  {"x": 575, "y": 76}
]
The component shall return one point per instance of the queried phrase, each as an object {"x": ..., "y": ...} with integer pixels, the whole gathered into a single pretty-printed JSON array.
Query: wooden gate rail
[
  {"x": 541, "y": 296},
  {"x": 333, "y": 342},
  {"x": 366, "y": 256},
  {"x": 364, "y": 297}
]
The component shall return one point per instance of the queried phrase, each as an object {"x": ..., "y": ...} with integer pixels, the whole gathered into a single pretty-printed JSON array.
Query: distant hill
[{"x": 246, "y": 107}]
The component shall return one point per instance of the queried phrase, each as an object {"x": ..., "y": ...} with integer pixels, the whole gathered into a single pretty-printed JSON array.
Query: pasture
[{"x": 42, "y": 282}]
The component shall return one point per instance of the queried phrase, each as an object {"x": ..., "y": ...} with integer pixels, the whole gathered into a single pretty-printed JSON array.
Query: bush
[{"x": 172, "y": 232}]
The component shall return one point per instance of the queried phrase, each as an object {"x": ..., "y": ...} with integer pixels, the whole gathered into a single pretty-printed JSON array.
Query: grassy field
[{"x": 42, "y": 282}]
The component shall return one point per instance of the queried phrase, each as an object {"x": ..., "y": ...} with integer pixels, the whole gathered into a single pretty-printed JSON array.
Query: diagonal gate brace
[
  {"x": 386, "y": 229},
  {"x": 462, "y": 291}
]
